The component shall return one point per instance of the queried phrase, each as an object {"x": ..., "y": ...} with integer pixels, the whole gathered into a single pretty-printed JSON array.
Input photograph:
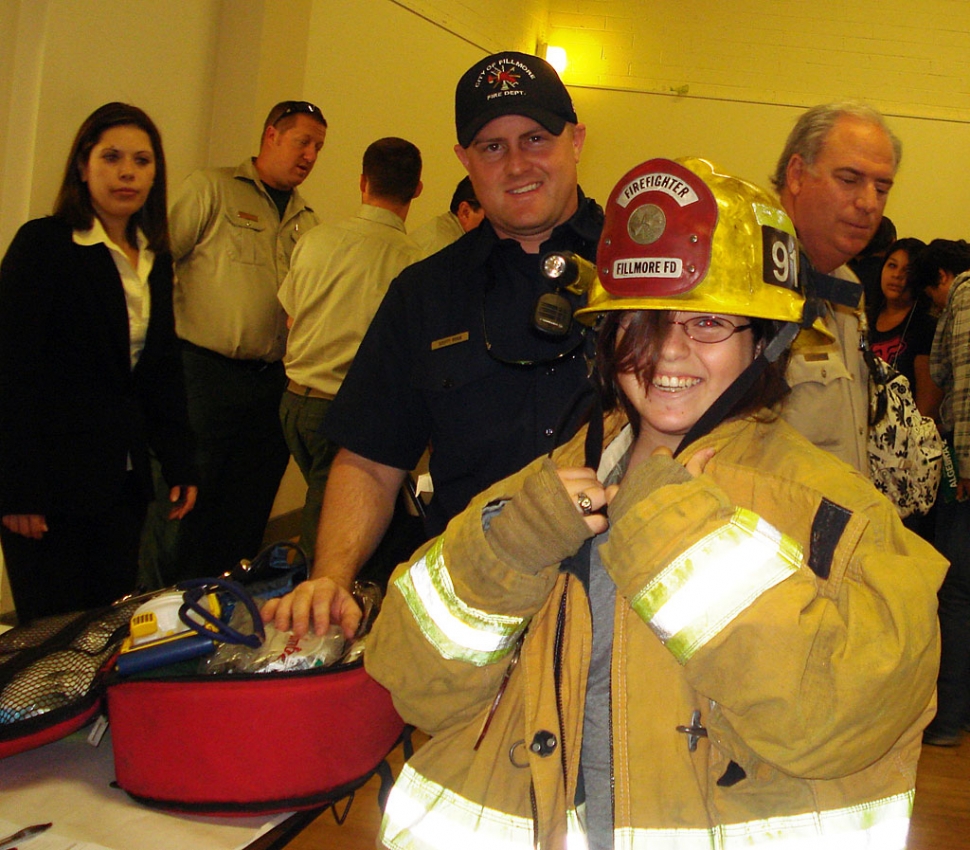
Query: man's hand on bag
[{"x": 319, "y": 600}]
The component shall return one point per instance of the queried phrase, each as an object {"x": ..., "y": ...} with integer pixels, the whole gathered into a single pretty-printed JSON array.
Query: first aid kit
[
  {"x": 210, "y": 712},
  {"x": 266, "y": 722},
  {"x": 249, "y": 743}
]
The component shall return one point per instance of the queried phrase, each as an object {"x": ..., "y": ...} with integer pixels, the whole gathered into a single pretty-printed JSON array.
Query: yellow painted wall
[
  {"x": 929, "y": 199},
  {"x": 493, "y": 26},
  {"x": 378, "y": 70},
  {"x": 727, "y": 80},
  {"x": 207, "y": 71},
  {"x": 906, "y": 58}
]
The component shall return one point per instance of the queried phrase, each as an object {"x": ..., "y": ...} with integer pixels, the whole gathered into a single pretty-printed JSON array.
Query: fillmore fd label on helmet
[
  {"x": 680, "y": 235},
  {"x": 656, "y": 267}
]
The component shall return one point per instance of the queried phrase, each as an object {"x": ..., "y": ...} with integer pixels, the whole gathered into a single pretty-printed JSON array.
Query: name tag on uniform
[
  {"x": 816, "y": 357},
  {"x": 445, "y": 341},
  {"x": 247, "y": 216}
]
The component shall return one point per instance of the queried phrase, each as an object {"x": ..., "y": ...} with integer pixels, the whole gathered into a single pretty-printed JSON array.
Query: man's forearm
[{"x": 357, "y": 508}]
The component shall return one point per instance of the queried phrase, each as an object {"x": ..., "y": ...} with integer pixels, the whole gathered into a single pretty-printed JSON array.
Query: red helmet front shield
[{"x": 656, "y": 240}]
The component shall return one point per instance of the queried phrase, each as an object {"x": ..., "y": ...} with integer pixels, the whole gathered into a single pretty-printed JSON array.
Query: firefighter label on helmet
[{"x": 659, "y": 223}]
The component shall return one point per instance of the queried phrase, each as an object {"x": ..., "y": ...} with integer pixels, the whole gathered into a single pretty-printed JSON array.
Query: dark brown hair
[
  {"x": 464, "y": 192},
  {"x": 912, "y": 247},
  {"x": 392, "y": 167},
  {"x": 73, "y": 203},
  {"x": 951, "y": 255},
  {"x": 638, "y": 351}
]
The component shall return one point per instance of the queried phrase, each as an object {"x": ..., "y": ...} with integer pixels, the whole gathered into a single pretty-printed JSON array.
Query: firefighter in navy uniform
[
  {"x": 723, "y": 637},
  {"x": 453, "y": 361}
]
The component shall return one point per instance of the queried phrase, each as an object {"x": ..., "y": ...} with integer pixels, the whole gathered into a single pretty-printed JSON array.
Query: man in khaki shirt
[
  {"x": 464, "y": 214},
  {"x": 833, "y": 178},
  {"x": 233, "y": 230},
  {"x": 338, "y": 276}
]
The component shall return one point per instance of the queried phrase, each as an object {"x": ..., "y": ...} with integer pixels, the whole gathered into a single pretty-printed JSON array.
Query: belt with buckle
[{"x": 307, "y": 392}]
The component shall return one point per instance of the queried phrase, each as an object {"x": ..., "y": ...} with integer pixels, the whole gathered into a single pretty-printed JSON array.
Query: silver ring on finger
[{"x": 585, "y": 503}]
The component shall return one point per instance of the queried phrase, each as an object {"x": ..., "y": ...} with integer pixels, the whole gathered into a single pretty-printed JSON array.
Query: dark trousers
[
  {"x": 234, "y": 413},
  {"x": 953, "y": 688},
  {"x": 83, "y": 561},
  {"x": 301, "y": 417}
]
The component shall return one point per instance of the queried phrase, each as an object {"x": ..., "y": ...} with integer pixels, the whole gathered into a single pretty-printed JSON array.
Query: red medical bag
[{"x": 243, "y": 744}]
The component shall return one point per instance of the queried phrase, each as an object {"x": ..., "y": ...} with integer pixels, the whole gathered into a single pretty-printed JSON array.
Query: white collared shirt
[{"x": 134, "y": 280}]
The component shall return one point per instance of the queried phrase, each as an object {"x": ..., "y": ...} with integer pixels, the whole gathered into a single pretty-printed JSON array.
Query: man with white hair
[{"x": 833, "y": 178}]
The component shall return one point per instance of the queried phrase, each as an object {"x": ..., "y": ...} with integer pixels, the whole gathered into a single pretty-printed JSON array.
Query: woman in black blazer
[{"x": 90, "y": 376}]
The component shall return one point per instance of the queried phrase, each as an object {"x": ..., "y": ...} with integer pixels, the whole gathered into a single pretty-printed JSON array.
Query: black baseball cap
[{"x": 511, "y": 83}]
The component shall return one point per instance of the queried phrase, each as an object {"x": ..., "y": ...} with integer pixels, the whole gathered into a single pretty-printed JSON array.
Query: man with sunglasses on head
[
  {"x": 233, "y": 230},
  {"x": 458, "y": 358}
]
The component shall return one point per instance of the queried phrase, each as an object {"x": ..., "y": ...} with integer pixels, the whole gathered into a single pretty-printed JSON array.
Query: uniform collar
[
  {"x": 246, "y": 170},
  {"x": 381, "y": 216}
]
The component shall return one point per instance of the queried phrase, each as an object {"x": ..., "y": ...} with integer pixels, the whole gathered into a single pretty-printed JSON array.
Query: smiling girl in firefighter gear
[{"x": 722, "y": 638}]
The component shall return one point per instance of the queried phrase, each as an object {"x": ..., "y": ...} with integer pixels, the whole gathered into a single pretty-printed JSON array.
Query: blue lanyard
[{"x": 196, "y": 588}]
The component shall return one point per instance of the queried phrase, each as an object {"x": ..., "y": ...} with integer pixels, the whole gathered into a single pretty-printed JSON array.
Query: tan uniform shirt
[
  {"x": 829, "y": 401},
  {"x": 438, "y": 233},
  {"x": 338, "y": 276},
  {"x": 231, "y": 253}
]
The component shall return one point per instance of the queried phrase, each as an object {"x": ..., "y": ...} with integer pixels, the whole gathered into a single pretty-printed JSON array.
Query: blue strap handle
[{"x": 192, "y": 592}]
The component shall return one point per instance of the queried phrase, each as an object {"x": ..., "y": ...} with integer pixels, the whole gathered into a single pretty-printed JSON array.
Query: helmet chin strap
[
  {"x": 817, "y": 288},
  {"x": 725, "y": 403}
]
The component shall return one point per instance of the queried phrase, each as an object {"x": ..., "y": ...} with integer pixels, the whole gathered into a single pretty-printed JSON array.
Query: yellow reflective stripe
[
  {"x": 707, "y": 586},
  {"x": 423, "y": 815},
  {"x": 881, "y": 823},
  {"x": 455, "y": 629},
  {"x": 576, "y": 830}
]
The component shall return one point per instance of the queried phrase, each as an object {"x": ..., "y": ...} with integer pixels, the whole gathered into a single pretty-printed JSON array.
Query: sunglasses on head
[{"x": 298, "y": 107}]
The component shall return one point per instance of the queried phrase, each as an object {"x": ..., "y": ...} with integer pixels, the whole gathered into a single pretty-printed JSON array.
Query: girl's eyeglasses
[{"x": 710, "y": 329}]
